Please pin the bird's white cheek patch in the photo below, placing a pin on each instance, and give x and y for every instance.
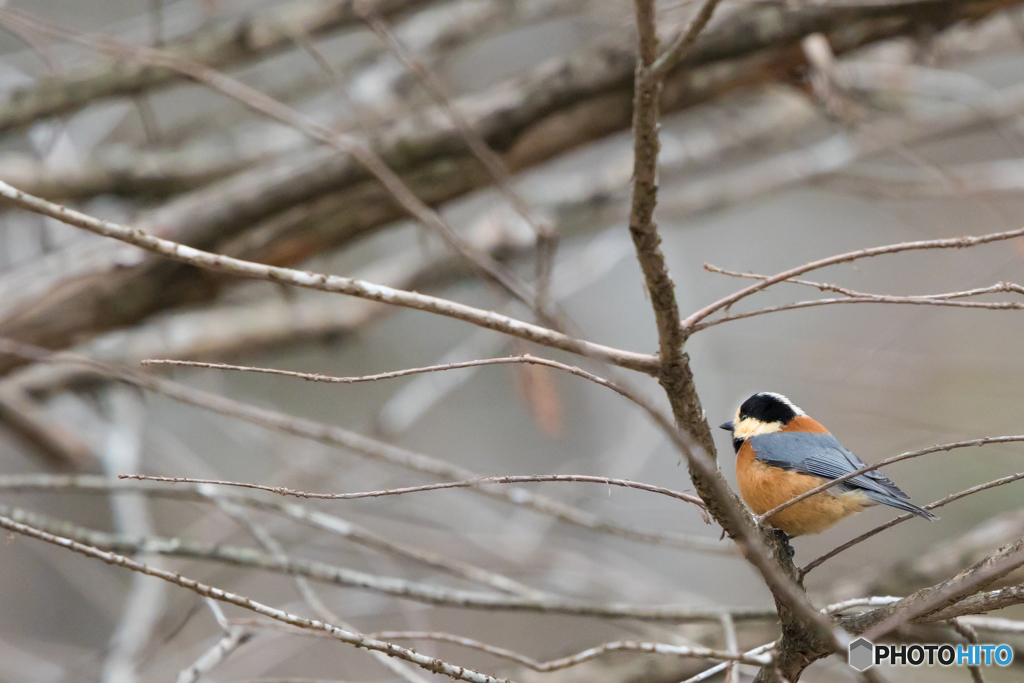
(748, 427)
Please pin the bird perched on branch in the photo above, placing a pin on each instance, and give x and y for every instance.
(781, 453)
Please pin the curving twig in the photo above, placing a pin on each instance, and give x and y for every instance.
(580, 657)
(468, 483)
(949, 243)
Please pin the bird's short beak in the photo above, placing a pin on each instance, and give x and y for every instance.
(727, 426)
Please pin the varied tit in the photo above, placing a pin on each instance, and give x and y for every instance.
(781, 453)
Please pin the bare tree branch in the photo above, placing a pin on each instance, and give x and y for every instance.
(326, 283)
(557, 107)
(579, 658)
(469, 483)
(948, 243)
(359, 640)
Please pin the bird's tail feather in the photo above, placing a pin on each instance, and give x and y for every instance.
(893, 501)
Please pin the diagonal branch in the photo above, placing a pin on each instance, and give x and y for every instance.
(676, 378)
(326, 283)
(945, 594)
(357, 639)
(267, 106)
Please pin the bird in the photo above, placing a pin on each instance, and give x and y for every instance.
(781, 452)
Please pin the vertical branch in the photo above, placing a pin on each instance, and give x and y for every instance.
(806, 633)
(675, 375)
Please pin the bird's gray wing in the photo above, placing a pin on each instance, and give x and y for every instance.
(820, 455)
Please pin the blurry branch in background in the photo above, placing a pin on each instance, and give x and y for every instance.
(547, 235)
(306, 590)
(345, 144)
(146, 599)
(234, 637)
(314, 519)
(225, 44)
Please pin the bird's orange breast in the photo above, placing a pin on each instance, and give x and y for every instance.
(764, 488)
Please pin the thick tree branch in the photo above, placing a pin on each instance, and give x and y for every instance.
(254, 36)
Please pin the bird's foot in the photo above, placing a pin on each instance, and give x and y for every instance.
(786, 545)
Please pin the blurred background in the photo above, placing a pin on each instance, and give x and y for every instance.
(771, 156)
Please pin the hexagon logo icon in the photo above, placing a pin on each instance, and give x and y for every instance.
(862, 654)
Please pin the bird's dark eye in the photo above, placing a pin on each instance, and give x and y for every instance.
(736, 443)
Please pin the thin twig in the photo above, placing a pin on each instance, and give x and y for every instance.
(949, 243)
(580, 657)
(660, 420)
(468, 483)
(682, 43)
(828, 287)
(871, 299)
(888, 461)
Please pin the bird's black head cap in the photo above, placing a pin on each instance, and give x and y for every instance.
(769, 407)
